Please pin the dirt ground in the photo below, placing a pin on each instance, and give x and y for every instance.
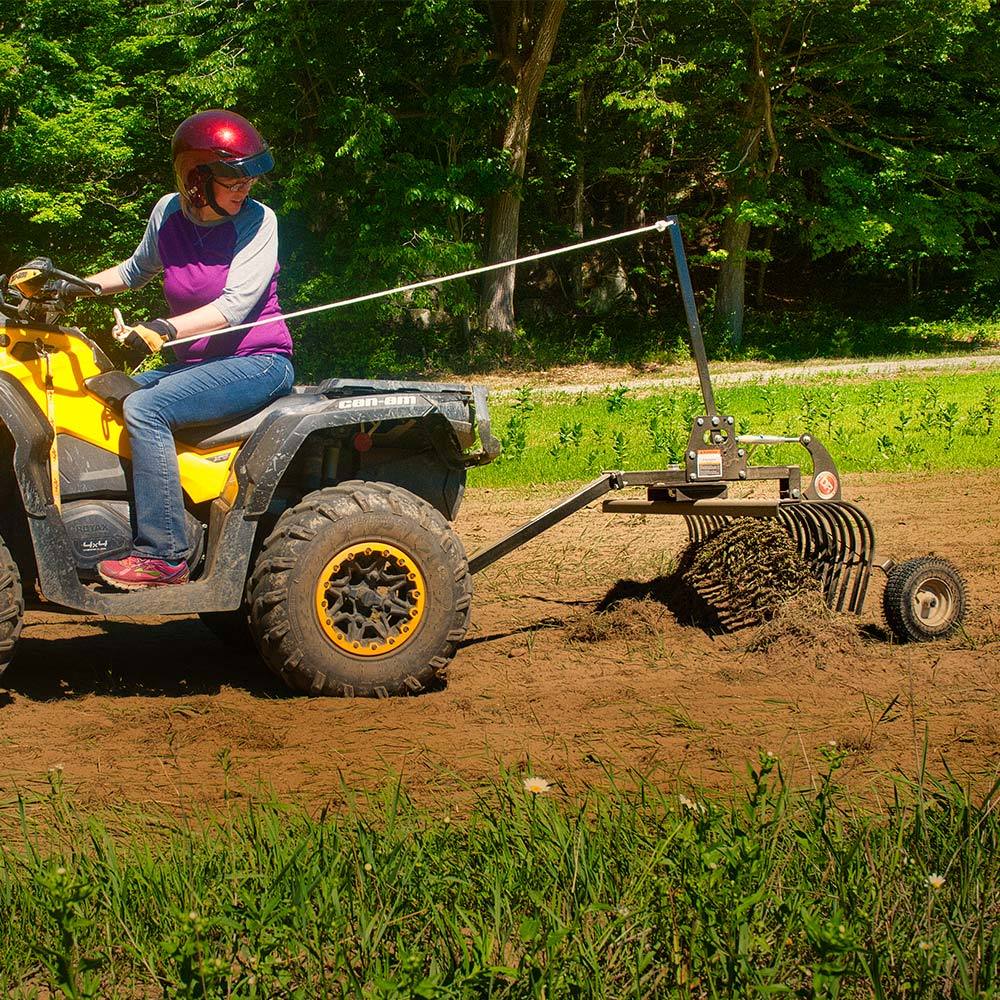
(157, 712)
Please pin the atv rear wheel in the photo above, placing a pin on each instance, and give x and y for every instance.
(361, 589)
(11, 606)
(924, 599)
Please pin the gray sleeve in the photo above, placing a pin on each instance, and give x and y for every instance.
(145, 263)
(254, 260)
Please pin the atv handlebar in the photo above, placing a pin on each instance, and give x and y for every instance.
(88, 286)
(40, 291)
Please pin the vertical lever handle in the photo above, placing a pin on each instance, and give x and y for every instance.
(691, 311)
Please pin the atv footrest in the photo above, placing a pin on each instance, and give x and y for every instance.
(112, 387)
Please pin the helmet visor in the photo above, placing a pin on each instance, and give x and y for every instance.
(244, 166)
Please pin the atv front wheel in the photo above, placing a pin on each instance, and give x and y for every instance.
(11, 606)
(361, 589)
(924, 599)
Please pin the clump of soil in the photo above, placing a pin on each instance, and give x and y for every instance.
(805, 620)
(746, 570)
(748, 574)
(627, 618)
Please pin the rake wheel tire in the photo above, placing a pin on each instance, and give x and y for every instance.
(924, 599)
(296, 559)
(11, 606)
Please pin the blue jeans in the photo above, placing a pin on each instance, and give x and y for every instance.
(186, 396)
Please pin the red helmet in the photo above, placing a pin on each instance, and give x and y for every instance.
(218, 145)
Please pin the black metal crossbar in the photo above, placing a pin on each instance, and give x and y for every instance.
(591, 492)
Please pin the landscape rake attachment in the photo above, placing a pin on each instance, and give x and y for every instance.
(924, 598)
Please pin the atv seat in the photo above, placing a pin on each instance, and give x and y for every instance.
(114, 386)
(236, 429)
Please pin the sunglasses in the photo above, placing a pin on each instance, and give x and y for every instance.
(237, 185)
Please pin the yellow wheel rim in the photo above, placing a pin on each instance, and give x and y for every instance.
(370, 599)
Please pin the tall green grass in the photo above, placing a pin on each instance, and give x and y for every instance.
(928, 423)
(620, 893)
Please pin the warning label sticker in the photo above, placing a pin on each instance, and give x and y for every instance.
(708, 463)
(826, 485)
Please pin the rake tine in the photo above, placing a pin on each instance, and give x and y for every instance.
(861, 550)
(841, 574)
(693, 522)
(860, 555)
(837, 541)
(864, 553)
(791, 522)
(826, 551)
(847, 555)
(813, 539)
(818, 542)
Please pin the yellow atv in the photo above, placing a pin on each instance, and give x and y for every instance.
(318, 527)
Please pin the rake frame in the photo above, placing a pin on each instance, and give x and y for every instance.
(834, 537)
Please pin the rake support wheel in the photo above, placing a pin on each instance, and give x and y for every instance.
(361, 589)
(924, 599)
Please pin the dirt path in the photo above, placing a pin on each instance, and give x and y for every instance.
(155, 711)
(597, 378)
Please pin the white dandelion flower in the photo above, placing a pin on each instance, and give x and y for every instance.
(537, 786)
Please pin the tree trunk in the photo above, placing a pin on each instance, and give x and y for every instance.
(497, 302)
(729, 296)
(579, 185)
(758, 118)
(516, 29)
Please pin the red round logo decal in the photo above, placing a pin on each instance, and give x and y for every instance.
(825, 485)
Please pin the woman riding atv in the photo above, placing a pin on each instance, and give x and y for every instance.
(217, 249)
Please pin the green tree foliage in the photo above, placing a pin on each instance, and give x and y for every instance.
(846, 131)
(844, 141)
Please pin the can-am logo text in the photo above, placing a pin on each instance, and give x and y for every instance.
(372, 402)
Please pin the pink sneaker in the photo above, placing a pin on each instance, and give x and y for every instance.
(136, 572)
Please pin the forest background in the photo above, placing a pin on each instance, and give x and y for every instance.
(833, 163)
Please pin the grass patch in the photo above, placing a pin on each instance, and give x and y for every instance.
(922, 423)
(636, 892)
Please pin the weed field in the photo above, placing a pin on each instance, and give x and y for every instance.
(936, 422)
(622, 892)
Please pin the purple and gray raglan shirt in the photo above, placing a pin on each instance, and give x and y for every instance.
(231, 264)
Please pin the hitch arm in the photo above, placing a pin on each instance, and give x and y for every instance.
(588, 494)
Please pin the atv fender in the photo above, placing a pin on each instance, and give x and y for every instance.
(266, 456)
(32, 440)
